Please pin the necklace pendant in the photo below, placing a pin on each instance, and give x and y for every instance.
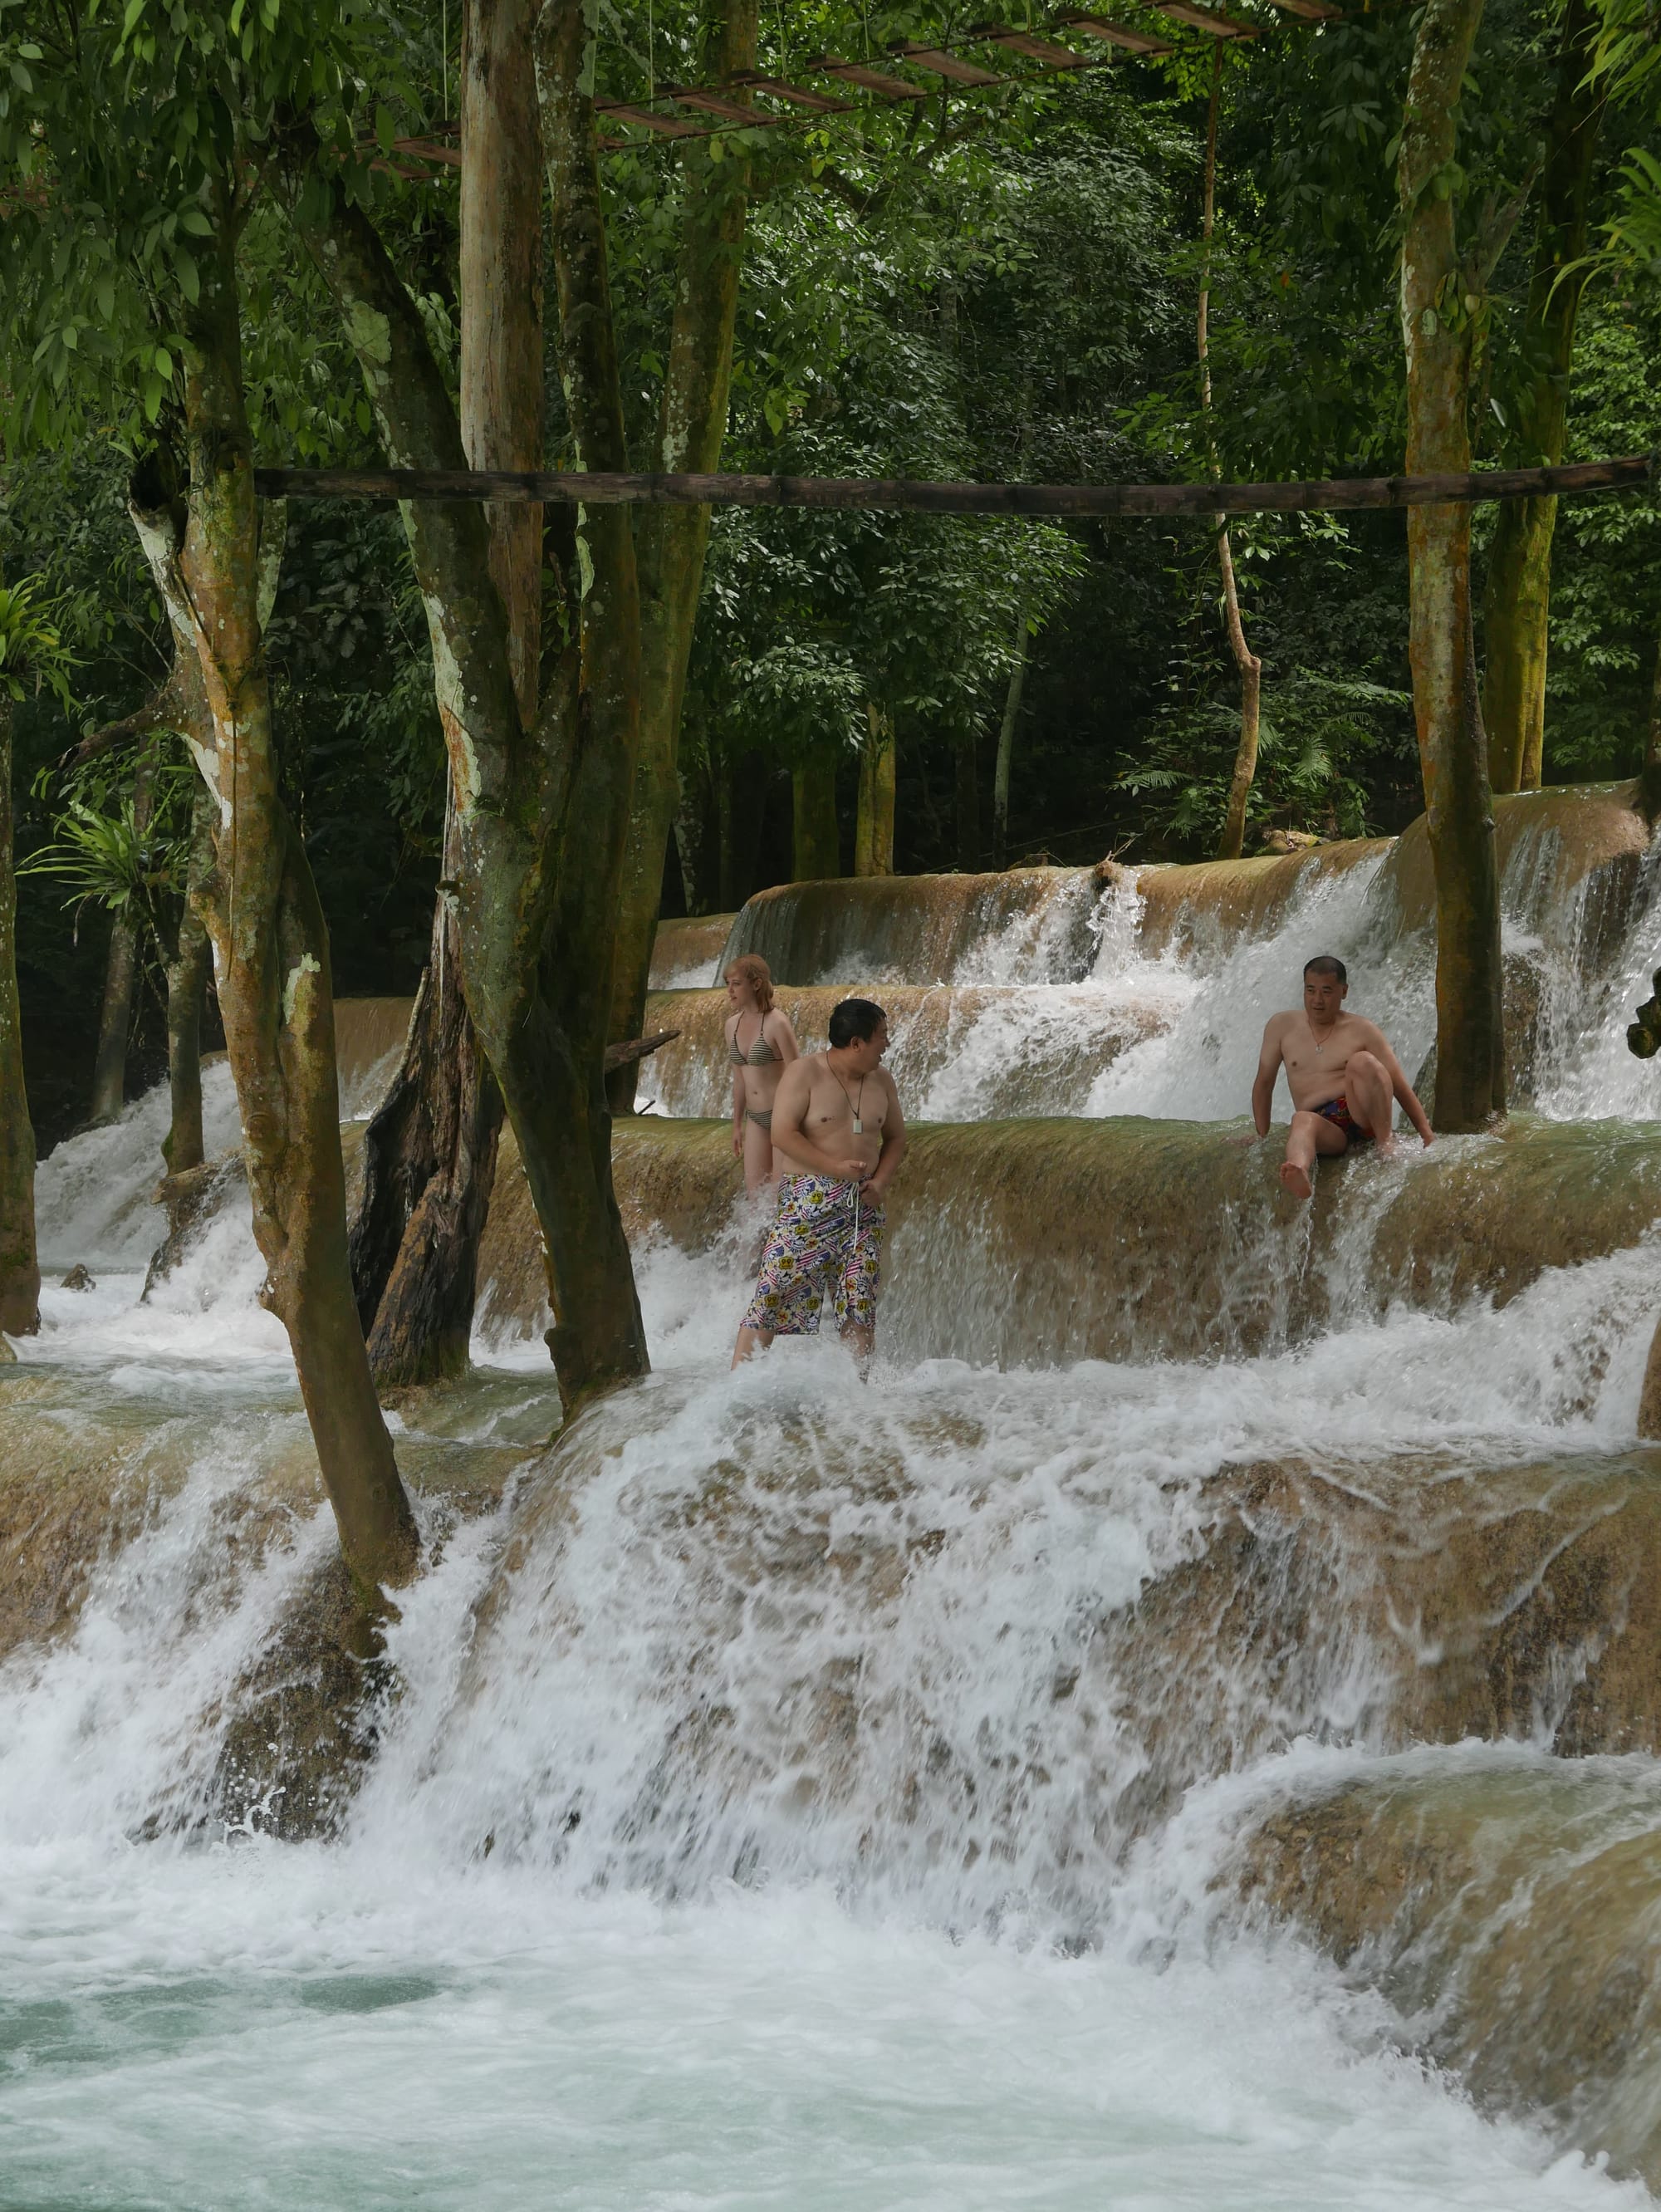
(859, 1127)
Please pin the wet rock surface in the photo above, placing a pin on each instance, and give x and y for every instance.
(1513, 1919)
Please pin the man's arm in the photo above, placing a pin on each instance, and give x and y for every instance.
(893, 1140)
(1269, 1067)
(789, 1115)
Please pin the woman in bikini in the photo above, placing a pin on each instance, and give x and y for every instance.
(761, 1043)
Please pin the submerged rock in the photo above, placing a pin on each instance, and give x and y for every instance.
(78, 1279)
(1511, 1912)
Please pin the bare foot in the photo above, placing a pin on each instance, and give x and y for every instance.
(1295, 1180)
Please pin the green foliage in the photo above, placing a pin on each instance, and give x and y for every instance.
(108, 858)
(1315, 731)
(31, 649)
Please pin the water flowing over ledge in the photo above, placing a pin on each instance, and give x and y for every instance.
(1040, 1243)
(1217, 1651)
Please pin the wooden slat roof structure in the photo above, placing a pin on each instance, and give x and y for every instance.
(1046, 46)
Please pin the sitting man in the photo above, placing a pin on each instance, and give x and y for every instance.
(1344, 1078)
(837, 1134)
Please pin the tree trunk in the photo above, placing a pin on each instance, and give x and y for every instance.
(1439, 300)
(1519, 595)
(873, 839)
(109, 1084)
(429, 1165)
(430, 1150)
(1006, 738)
(967, 808)
(1233, 841)
(19, 1269)
(541, 814)
(741, 803)
(187, 979)
(816, 845)
(696, 836)
(1649, 1402)
(501, 218)
(120, 975)
(1245, 661)
(270, 946)
(672, 541)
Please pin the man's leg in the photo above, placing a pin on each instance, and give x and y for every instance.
(1311, 1134)
(1372, 1101)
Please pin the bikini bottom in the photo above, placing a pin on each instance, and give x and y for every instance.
(762, 1119)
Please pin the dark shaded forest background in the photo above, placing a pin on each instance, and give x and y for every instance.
(1019, 304)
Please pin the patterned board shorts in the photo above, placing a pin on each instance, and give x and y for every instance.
(826, 1236)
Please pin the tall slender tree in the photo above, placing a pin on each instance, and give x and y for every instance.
(1232, 840)
(1441, 298)
(541, 811)
(140, 149)
(30, 648)
(1518, 598)
(672, 542)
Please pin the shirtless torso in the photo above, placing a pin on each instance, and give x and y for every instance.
(1316, 1064)
(815, 1114)
(1345, 1080)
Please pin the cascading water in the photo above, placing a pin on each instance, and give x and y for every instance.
(936, 1793)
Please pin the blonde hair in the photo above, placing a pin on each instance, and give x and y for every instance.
(757, 973)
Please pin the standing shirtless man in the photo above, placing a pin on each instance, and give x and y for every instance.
(1344, 1078)
(838, 1135)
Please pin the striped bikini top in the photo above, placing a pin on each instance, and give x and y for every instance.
(760, 1054)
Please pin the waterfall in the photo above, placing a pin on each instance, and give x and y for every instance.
(1184, 1731)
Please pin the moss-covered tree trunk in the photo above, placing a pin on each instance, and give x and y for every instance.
(430, 1150)
(671, 541)
(815, 845)
(19, 1268)
(1517, 601)
(873, 839)
(115, 1013)
(269, 943)
(1439, 300)
(541, 814)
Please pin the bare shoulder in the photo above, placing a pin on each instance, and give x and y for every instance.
(1276, 1026)
(1368, 1036)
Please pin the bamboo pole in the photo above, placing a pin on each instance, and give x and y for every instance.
(611, 488)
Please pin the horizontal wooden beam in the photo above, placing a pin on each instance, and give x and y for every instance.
(919, 496)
